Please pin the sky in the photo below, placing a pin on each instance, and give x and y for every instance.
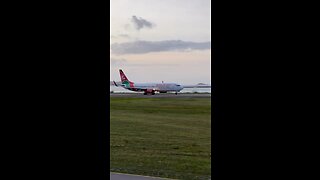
(167, 40)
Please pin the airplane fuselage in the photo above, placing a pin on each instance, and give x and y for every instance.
(160, 87)
(148, 87)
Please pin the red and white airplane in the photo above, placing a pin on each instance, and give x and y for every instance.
(148, 88)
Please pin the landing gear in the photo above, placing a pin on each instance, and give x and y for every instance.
(176, 93)
(149, 92)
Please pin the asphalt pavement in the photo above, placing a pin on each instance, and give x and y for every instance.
(120, 176)
(166, 95)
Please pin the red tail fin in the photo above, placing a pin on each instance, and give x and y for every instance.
(123, 76)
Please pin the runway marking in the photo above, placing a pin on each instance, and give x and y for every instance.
(117, 173)
(158, 95)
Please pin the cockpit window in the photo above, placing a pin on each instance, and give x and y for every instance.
(178, 85)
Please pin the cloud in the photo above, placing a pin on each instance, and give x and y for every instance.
(126, 36)
(151, 65)
(124, 62)
(141, 23)
(117, 61)
(141, 47)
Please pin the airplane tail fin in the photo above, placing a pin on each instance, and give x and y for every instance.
(123, 76)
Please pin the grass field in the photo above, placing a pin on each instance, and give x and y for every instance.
(163, 137)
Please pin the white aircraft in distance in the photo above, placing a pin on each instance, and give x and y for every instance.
(148, 88)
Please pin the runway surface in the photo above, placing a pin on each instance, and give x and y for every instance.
(119, 176)
(159, 95)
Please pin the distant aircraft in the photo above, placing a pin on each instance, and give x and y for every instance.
(148, 88)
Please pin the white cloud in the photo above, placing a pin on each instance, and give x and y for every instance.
(141, 47)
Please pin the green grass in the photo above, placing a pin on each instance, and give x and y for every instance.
(163, 137)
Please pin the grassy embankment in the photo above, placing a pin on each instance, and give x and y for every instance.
(164, 137)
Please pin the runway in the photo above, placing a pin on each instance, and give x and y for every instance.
(166, 95)
(120, 176)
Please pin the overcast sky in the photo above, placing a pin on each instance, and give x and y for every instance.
(167, 40)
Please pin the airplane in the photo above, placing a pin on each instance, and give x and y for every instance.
(148, 88)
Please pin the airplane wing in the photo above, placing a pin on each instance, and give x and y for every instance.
(117, 84)
(113, 83)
